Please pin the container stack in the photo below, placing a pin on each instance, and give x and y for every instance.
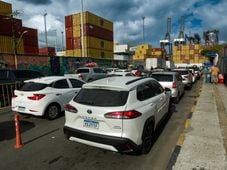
(142, 52)
(50, 51)
(13, 33)
(188, 54)
(98, 36)
(158, 52)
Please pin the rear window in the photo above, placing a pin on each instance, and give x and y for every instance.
(163, 78)
(107, 98)
(31, 86)
(182, 72)
(82, 71)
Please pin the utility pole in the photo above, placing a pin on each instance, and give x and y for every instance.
(82, 29)
(62, 40)
(44, 15)
(143, 29)
(55, 40)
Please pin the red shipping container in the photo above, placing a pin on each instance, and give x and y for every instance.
(179, 48)
(69, 43)
(31, 32)
(191, 47)
(31, 50)
(47, 51)
(69, 32)
(28, 41)
(68, 21)
(6, 30)
(98, 32)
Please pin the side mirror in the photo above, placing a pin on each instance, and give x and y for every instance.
(167, 90)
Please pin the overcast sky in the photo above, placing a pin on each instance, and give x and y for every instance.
(199, 16)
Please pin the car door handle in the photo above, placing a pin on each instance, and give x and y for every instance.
(58, 94)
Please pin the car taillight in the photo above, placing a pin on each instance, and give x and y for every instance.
(14, 96)
(80, 76)
(131, 114)
(70, 108)
(36, 96)
(174, 85)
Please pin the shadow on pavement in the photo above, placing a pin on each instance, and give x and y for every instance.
(7, 129)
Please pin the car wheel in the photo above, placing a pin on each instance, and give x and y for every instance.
(177, 99)
(52, 112)
(148, 138)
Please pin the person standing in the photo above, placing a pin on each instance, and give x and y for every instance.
(214, 74)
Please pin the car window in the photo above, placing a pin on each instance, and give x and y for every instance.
(82, 71)
(76, 83)
(158, 89)
(163, 77)
(61, 84)
(178, 77)
(145, 91)
(182, 72)
(98, 70)
(32, 86)
(110, 98)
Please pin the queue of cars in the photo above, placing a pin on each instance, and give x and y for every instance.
(117, 111)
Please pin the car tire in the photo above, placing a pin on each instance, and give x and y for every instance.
(176, 99)
(148, 138)
(52, 111)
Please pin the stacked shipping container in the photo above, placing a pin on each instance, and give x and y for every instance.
(142, 52)
(98, 36)
(50, 51)
(188, 54)
(11, 31)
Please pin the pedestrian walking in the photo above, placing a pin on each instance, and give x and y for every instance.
(214, 74)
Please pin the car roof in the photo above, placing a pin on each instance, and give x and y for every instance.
(47, 79)
(165, 72)
(118, 83)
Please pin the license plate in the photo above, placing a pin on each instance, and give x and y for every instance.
(21, 108)
(91, 124)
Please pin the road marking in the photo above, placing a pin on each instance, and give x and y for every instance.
(181, 139)
(187, 123)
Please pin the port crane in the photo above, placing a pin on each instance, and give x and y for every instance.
(166, 42)
(181, 37)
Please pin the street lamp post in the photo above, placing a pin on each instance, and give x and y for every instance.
(143, 29)
(16, 44)
(44, 15)
(62, 40)
(82, 29)
(55, 40)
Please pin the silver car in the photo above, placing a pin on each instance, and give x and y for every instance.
(173, 81)
(186, 76)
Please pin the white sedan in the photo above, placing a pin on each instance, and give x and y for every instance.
(45, 96)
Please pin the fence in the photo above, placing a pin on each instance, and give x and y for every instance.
(6, 92)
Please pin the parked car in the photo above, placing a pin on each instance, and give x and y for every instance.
(186, 76)
(12, 76)
(89, 74)
(122, 119)
(121, 74)
(45, 96)
(172, 80)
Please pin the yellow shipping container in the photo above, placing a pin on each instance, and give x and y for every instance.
(76, 31)
(98, 53)
(5, 8)
(73, 53)
(7, 44)
(89, 18)
(96, 43)
(191, 52)
(197, 46)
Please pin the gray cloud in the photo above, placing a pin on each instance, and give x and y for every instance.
(37, 2)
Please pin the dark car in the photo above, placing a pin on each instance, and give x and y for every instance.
(12, 76)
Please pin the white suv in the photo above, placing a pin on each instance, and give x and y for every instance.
(117, 113)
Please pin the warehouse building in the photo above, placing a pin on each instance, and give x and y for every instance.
(97, 36)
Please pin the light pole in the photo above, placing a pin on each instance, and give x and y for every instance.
(62, 40)
(44, 15)
(82, 29)
(55, 40)
(16, 43)
(143, 29)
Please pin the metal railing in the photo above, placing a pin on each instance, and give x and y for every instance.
(6, 93)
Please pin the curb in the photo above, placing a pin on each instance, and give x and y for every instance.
(181, 138)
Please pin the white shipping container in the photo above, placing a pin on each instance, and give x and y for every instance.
(154, 63)
(170, 64)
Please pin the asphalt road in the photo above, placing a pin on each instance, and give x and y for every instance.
(46, 148)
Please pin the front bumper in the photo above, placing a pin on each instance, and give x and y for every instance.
(122, 145)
